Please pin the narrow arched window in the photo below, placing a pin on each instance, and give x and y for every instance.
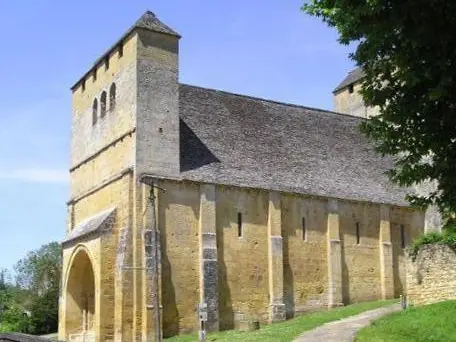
(240, 232)
(358, 233)
(103, 104)
(304, 229)
(112, 97)
(403, 242)
(94, 112)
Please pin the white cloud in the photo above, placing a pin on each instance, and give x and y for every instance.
(36, 175)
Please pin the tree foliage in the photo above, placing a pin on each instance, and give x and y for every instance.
(31, 305)
(39, 271)
(407, 50)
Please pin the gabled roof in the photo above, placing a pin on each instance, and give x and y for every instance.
(244, 141)
(90, 225)
(352, 77)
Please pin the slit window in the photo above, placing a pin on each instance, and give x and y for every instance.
(95, 74)
(402, 236)
(107, 63)
(103, 104)
(112, 97)
(358, 233)
(83, 85)
(120, 50)
(239, 222)
(94, 112)
(351, 88)
(304, 230)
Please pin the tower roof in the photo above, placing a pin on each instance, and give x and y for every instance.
(148, 21)
(352, 77)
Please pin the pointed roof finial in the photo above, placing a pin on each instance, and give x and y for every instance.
(150, 21)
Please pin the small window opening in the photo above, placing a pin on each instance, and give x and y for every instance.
(83, 85)
(112, 97)
(120, 50)
(304, 230)
(358, 236)
(350, 88)
(402, 236)
(103, 104)
(107, 63)
(94, 74)
(239, 219)
(94, 112)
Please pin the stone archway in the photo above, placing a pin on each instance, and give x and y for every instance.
(80, 299)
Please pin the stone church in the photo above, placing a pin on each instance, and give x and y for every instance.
(250, 208)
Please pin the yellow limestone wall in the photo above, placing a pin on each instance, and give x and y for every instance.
(102, 157)
(431, 277)
(305, 257)
(352, 103)
(243, 261)
(178, 224)
(243, 271)
(360, 262)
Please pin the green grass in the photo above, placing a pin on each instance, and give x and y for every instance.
(430, 323)
(288, 330)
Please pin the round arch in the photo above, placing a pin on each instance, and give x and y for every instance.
(80, 294)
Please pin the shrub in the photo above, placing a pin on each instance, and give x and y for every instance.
(446, 237)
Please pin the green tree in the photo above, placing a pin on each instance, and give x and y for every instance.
(40, 270)
(407, 50)
(38, 274)
(12, 315)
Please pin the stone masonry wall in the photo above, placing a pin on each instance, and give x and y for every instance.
(431, 277)
(305, 257)
(244, 286)
(352, 103)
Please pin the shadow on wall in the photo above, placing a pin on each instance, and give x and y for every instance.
(398, 260)
(288, 279)
(170, 312)
(193, 153)
(345, 276)
(226, 314)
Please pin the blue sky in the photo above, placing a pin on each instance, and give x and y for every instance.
(268, 49)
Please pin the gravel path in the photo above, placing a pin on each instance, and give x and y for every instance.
(345, 329)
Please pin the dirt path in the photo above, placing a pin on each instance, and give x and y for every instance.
(345, 330)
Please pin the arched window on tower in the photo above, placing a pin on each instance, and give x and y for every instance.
(103, 104)
(94, 112)
(112, 97)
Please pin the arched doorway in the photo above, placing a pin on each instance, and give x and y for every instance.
(80, 299)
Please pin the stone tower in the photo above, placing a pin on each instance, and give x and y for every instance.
(348, 100)
(125, 122)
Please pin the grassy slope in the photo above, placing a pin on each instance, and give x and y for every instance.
(430, 323)
(286, 331)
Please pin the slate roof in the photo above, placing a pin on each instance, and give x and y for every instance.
(149, 21)
(352, 77)
(90, 225)
(244, 141)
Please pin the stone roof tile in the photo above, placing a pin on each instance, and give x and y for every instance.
(90, 225)
(352, 77)
(243, 141)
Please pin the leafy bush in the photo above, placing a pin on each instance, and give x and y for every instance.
(446, 237)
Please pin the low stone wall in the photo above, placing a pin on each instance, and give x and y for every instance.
(431, 277)
(16, 337)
